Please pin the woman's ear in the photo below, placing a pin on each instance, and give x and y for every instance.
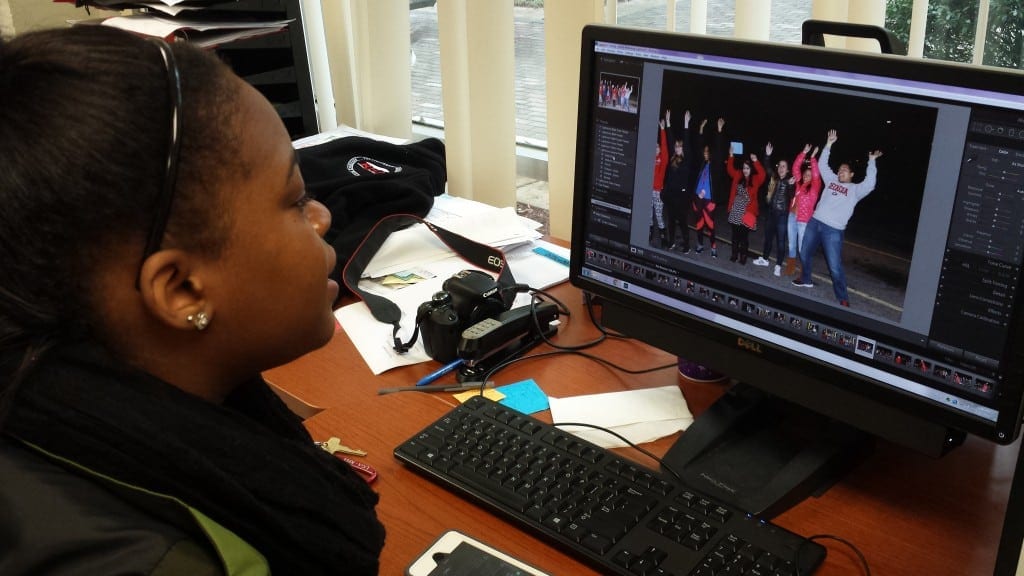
(172, 289)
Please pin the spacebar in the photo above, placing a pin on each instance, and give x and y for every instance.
(489, 488)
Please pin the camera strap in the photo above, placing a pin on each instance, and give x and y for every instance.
(481, 255)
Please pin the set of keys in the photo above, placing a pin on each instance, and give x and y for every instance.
(334, 446)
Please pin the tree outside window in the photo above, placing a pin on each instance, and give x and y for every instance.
(949, 34)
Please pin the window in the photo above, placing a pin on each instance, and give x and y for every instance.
(425, 65)
(950, 29)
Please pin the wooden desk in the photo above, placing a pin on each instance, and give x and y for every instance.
(907, 513)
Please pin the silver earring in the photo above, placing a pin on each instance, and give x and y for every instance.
(200, 320)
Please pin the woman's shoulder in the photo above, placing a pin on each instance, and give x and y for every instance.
(55, 518)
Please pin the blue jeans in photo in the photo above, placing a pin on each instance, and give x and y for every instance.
(775, 228)
(831, 241)
(795, 234)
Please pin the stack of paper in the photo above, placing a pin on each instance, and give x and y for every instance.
(203, 27)
(197, 31)
(417, 245)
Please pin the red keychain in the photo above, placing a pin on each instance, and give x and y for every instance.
(334, 446)
(367, 472)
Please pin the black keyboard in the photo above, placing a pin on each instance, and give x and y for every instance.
(610, 512)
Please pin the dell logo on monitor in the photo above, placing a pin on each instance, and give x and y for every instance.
(749, 345)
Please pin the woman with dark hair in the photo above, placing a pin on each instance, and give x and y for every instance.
(777, 197)
(658, 183)
(706, 187)
(806, 190)
(159, 253)
(676, 192)
(743, 204)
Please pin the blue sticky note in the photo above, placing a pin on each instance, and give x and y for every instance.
(524, 396)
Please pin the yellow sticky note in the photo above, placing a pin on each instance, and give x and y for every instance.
(489, 393)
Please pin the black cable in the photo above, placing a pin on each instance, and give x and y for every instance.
(502, 365)
(643, 451)
(863, 560)
(605, 334)
(562, 308)
(588, 300)
(494, 369)
(544, 337)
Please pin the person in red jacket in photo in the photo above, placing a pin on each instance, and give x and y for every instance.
(805, 198)
(660, 163)
(743, 203)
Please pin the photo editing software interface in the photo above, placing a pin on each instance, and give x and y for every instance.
(931, 256)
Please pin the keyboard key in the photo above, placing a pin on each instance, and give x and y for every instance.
(720, 513)
(575, 531)
(596, 543)
(623, 558)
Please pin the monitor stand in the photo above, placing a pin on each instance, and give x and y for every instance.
(762, 454)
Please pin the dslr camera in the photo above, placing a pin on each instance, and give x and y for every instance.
(466, 298)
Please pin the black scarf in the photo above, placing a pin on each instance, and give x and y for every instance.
(248, 464)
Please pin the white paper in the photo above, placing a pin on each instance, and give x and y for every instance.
(343, 131)
(412, 246)
(405, 249)
(165, 28)
(639, 415)
(448, 208)
(537, 271)
(374, 341)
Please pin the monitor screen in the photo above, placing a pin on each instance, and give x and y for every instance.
(873, 278)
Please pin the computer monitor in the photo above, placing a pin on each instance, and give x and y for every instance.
(924, 343)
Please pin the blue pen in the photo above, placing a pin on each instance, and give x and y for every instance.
(551, 255)
(440, 372)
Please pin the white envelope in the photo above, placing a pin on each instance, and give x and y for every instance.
(639, 415)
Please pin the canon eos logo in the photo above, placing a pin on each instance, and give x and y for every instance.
(494, 261)
(749, 345)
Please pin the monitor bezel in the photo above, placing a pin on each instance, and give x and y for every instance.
(1011, 400)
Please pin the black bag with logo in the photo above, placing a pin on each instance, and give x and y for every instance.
(362, 180)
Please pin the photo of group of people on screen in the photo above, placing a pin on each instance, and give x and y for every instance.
(797, 217)
(798, 188)
(618, 92)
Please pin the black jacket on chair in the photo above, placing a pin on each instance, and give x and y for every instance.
(361, 180)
